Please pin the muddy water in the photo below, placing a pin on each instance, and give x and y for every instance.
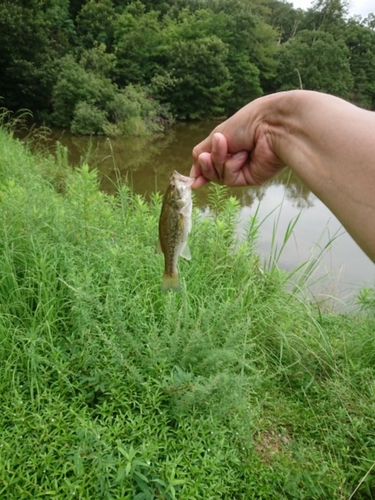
(147, 163)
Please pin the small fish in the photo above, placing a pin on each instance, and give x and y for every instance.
(174, 227)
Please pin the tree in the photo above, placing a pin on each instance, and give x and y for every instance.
(136, 43)
(285, 19)
(318, 62)
(76, 85)
(201, 77)
(95, 23)
(252, 48)
(32, 37)
(360, 41)
(327, 15)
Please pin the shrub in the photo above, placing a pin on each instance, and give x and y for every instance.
(88, 103)
(232, 389)
(137, 113)
(88, 119)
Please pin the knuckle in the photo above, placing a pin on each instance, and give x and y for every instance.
(196, 152)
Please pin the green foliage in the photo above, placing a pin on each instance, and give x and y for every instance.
(202, 83)
(361, 43)
(86, 101)
(284, 19)
(245, 84)
(264, 50)
(98, 61)
(87, 119)
(211, 56)
(137, 113)
(27, 58)
(233, 388)
(65, 60)
(318, 62)
(326, 15)
(366, 299)
(95, 23)
(74, 85)
(136, 42)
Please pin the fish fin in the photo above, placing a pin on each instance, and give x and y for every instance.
(185, 253)
(170, 282)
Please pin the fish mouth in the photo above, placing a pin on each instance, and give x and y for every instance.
(189, 181)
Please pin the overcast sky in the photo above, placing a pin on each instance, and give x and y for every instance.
(356, 7)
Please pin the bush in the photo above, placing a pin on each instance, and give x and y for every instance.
(232, 389)
(137, 113)
(88, 103)
(75, 85)
(88, 119)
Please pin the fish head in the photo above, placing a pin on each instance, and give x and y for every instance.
(180, 187)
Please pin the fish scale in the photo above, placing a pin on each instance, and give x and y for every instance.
(174, 227)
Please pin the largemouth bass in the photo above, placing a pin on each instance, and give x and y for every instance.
(174, 227)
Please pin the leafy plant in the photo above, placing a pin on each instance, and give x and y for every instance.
(366, 299)
(88, 119)
(234, 388)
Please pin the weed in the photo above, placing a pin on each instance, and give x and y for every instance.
(234, 388)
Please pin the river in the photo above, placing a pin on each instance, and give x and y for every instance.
(147, 163)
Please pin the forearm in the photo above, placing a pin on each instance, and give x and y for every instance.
(330, 145)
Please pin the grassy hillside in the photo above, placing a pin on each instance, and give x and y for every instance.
(232, 389)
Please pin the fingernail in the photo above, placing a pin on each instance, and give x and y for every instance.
(214, 143)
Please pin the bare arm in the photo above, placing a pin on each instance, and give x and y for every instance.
(327, 142)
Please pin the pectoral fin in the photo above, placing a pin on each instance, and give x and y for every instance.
(185, 252)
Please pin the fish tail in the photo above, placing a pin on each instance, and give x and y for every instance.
(170, 282)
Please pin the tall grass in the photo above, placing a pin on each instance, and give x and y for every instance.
(307, 275)
(232, 389)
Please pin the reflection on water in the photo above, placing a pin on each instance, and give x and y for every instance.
(147, 163)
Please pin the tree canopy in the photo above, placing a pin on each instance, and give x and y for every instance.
(93, 65)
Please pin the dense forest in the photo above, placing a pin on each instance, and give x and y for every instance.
(135, 66)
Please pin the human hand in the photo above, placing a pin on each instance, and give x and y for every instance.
(239, 152)
(327, 142)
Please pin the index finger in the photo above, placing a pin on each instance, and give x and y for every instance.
(203, 147)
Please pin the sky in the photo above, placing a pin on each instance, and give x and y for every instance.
(356, 7)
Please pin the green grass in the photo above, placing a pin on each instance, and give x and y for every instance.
(232, 389)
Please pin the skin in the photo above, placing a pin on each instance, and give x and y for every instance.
(328, 142)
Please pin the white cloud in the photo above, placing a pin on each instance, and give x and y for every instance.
(356, 7)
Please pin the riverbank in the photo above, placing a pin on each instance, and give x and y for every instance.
(233, 389)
